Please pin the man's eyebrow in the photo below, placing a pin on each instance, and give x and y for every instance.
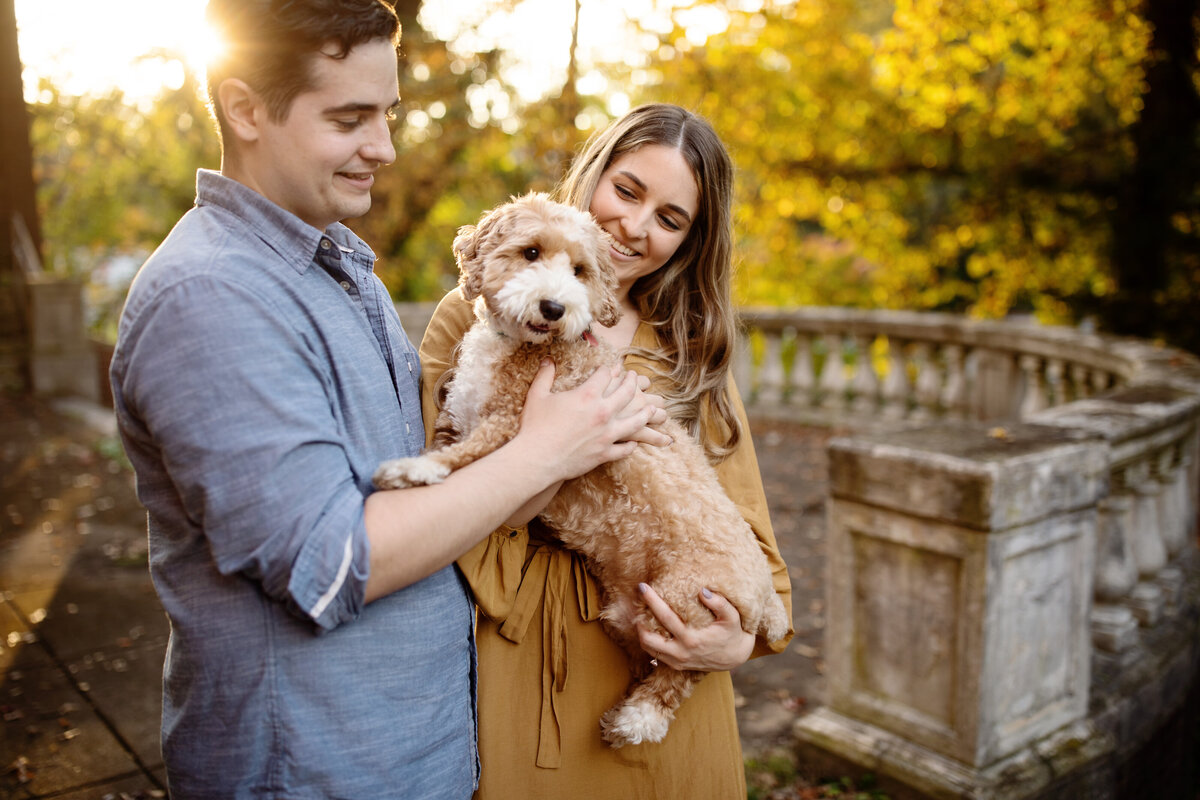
(356, 108)
(677, 209)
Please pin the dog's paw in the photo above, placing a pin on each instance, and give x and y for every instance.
(403, 472)
(775, 622)
(634, 722)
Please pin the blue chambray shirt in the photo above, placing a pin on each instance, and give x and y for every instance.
(261, 375)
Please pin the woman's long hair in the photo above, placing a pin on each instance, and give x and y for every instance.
(688, 300)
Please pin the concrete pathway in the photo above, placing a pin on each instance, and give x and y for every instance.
(82, 635)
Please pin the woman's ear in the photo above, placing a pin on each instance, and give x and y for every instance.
(240, 105)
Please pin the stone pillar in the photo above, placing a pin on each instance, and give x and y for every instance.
(62, 360)
(959, 594)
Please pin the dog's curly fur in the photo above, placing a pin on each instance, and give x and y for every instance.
(540, 275)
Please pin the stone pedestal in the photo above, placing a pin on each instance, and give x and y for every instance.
(62, 360)
(959, 601)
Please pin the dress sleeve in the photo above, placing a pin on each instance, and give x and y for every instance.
(492, 567)
(742, 481)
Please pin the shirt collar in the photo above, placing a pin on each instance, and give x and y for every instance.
(292, 238)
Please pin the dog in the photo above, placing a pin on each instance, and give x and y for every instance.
(540, 276)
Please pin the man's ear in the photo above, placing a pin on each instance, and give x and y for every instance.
(243, 109)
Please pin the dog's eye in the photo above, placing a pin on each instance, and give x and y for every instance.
(578, 270)
(531, 253)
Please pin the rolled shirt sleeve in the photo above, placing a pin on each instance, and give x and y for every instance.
(246, 434)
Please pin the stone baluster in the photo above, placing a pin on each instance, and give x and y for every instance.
(1080, 387)
(996, 392)
(1033, 399)
(803, 374)
(1114, 626)
(896, 386)
(1191, 453)
(1185, 481)
(1146, 600)
(1055, 385)
(928, 388)
(1116, 568)
(1170, 578)
(743, 364)
(1100, 381)
(954, 391)
(832, 386)
(770, 376)
(865, 385)
(1148, 547)
(1170, 510)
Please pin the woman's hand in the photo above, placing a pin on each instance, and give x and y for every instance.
(658, 414)
(720, 645)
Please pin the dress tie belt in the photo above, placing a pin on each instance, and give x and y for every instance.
(546, 577)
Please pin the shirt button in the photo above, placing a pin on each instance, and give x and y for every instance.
(345, 285)
(326, 244)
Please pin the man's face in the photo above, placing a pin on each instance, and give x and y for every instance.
(319, 163)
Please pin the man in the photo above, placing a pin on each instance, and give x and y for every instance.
(320, 636)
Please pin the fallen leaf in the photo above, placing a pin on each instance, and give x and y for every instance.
(805, 650)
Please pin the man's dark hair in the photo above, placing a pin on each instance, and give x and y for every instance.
(272, 44)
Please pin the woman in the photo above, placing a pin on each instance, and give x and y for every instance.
(660, 182)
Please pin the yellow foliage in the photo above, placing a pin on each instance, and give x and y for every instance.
(945, 156)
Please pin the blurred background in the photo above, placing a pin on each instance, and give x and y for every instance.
(986, 157)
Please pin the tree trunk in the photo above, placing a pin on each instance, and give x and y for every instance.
(1160, 184)
(16, 165)
(17, 200)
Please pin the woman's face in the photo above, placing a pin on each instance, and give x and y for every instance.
(647, 200)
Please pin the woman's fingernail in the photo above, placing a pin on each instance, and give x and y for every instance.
(643, 587)
(707, 594)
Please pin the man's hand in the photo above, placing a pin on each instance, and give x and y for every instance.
(598, 421)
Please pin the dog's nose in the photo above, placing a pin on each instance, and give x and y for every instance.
(551, 310)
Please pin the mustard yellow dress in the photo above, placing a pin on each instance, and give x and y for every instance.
(547, 670)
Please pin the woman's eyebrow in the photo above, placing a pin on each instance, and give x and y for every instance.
(677, 209)
(633, 178)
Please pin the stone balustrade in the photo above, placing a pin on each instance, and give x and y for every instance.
(1014, 513)
(867, 368)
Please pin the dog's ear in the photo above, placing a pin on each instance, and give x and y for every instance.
(472, 245)
(607, 312)
(470, 267)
